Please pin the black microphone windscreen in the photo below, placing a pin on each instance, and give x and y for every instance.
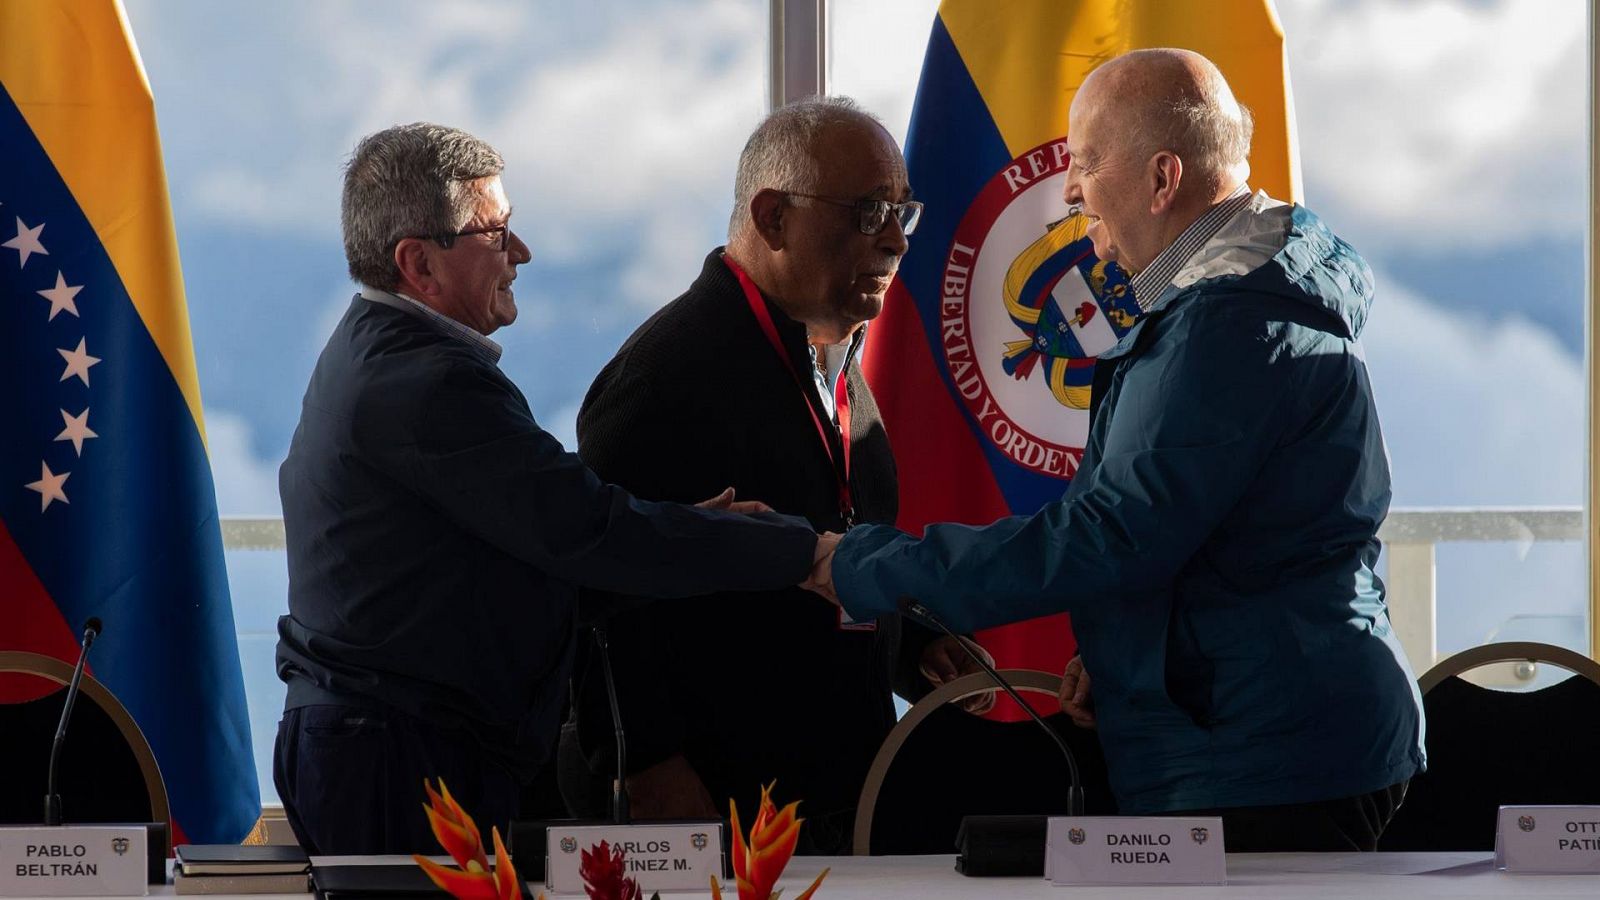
(92, 625)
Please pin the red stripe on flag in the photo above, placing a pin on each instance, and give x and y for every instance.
(943, 474)
(31, 622)
(945, 477)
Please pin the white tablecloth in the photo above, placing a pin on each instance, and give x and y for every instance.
(1357, 876)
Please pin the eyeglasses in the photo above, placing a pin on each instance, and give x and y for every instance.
(501, 234)
(874, 214)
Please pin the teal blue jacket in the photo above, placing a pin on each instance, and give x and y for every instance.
(1216, 547)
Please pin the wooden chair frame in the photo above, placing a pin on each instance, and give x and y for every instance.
(55, 670)
(950, 692)
(1509, 651)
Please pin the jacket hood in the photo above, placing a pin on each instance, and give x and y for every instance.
(1317, 267)
(1283, 249)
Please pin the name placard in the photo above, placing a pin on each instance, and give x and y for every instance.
(1134, 850)
(1548, 840)
(675, 856)
(72, 861)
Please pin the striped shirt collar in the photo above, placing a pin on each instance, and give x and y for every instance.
(1150, 282)
(479, 343)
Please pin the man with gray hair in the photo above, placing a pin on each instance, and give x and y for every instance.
(1216, 548)
(750, 378)
(436, 534)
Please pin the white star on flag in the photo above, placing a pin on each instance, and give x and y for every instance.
(61, 296)
(26, 242)
(78, 362)
(77, 430)
(49, 487)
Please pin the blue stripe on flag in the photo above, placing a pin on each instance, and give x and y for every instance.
(952, 150)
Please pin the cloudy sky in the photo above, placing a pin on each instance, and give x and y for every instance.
(1444, 139)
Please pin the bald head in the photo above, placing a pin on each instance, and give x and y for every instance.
(1173, 100)
(1156, 138)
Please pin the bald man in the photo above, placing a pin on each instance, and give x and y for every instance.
(1216, 548)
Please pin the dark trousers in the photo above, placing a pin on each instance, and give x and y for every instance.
(351, 780)
(1349, 823)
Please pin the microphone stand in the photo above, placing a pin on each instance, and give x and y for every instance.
(1075, 792)
(619, 785)
(52, 800)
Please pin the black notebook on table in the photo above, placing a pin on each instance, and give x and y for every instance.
(241, 859)
(403, 881)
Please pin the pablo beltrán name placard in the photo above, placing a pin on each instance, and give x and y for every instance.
(73, 861)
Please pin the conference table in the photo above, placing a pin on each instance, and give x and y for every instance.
(1360, 876)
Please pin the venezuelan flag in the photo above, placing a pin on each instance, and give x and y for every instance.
(986, 345)
(106, 501)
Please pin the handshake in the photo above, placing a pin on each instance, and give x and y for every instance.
(820, 580)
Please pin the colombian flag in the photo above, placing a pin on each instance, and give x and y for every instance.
(106, 502)
(982, 358)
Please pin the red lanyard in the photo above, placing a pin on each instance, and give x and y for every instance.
(758, 308)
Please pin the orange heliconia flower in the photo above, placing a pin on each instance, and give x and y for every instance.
(459, 836)
(759, 861)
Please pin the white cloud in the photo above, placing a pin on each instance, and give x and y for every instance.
(621, 122)
(1477, 412)
(1444, 122)
(876, 53)
(247, 485)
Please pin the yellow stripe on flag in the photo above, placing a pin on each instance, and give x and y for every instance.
(1028, 57)
(72, 69)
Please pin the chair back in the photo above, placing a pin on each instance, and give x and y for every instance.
(107, 771)
(940, 764)
(1487, 748)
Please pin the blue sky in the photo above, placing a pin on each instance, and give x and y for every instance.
(1445, 140)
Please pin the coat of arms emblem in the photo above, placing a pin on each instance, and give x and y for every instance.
(1076, 835)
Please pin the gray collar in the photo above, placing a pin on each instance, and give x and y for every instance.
(1154, 278)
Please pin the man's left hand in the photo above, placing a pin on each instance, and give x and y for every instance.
(724, 501)
(946, 659)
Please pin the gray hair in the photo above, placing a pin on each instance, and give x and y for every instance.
(781, 152)
(1205, 133)
(407, 181)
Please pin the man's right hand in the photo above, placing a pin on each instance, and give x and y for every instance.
(670, 789)
(1075, 699)
(820, 581)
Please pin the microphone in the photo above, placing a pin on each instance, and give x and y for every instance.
(52, 800)
(619, 785)
(915, 610)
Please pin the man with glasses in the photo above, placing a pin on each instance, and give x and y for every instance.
(436, 534)
(751, 378)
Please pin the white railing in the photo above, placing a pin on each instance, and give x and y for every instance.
(1410, 535)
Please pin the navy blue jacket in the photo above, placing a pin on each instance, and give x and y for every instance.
(1216, 547)
(437, 535)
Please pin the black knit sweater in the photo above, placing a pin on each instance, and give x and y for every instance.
(748, 686)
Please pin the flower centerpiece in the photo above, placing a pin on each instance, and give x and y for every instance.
(759, 859)
(459, 836)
